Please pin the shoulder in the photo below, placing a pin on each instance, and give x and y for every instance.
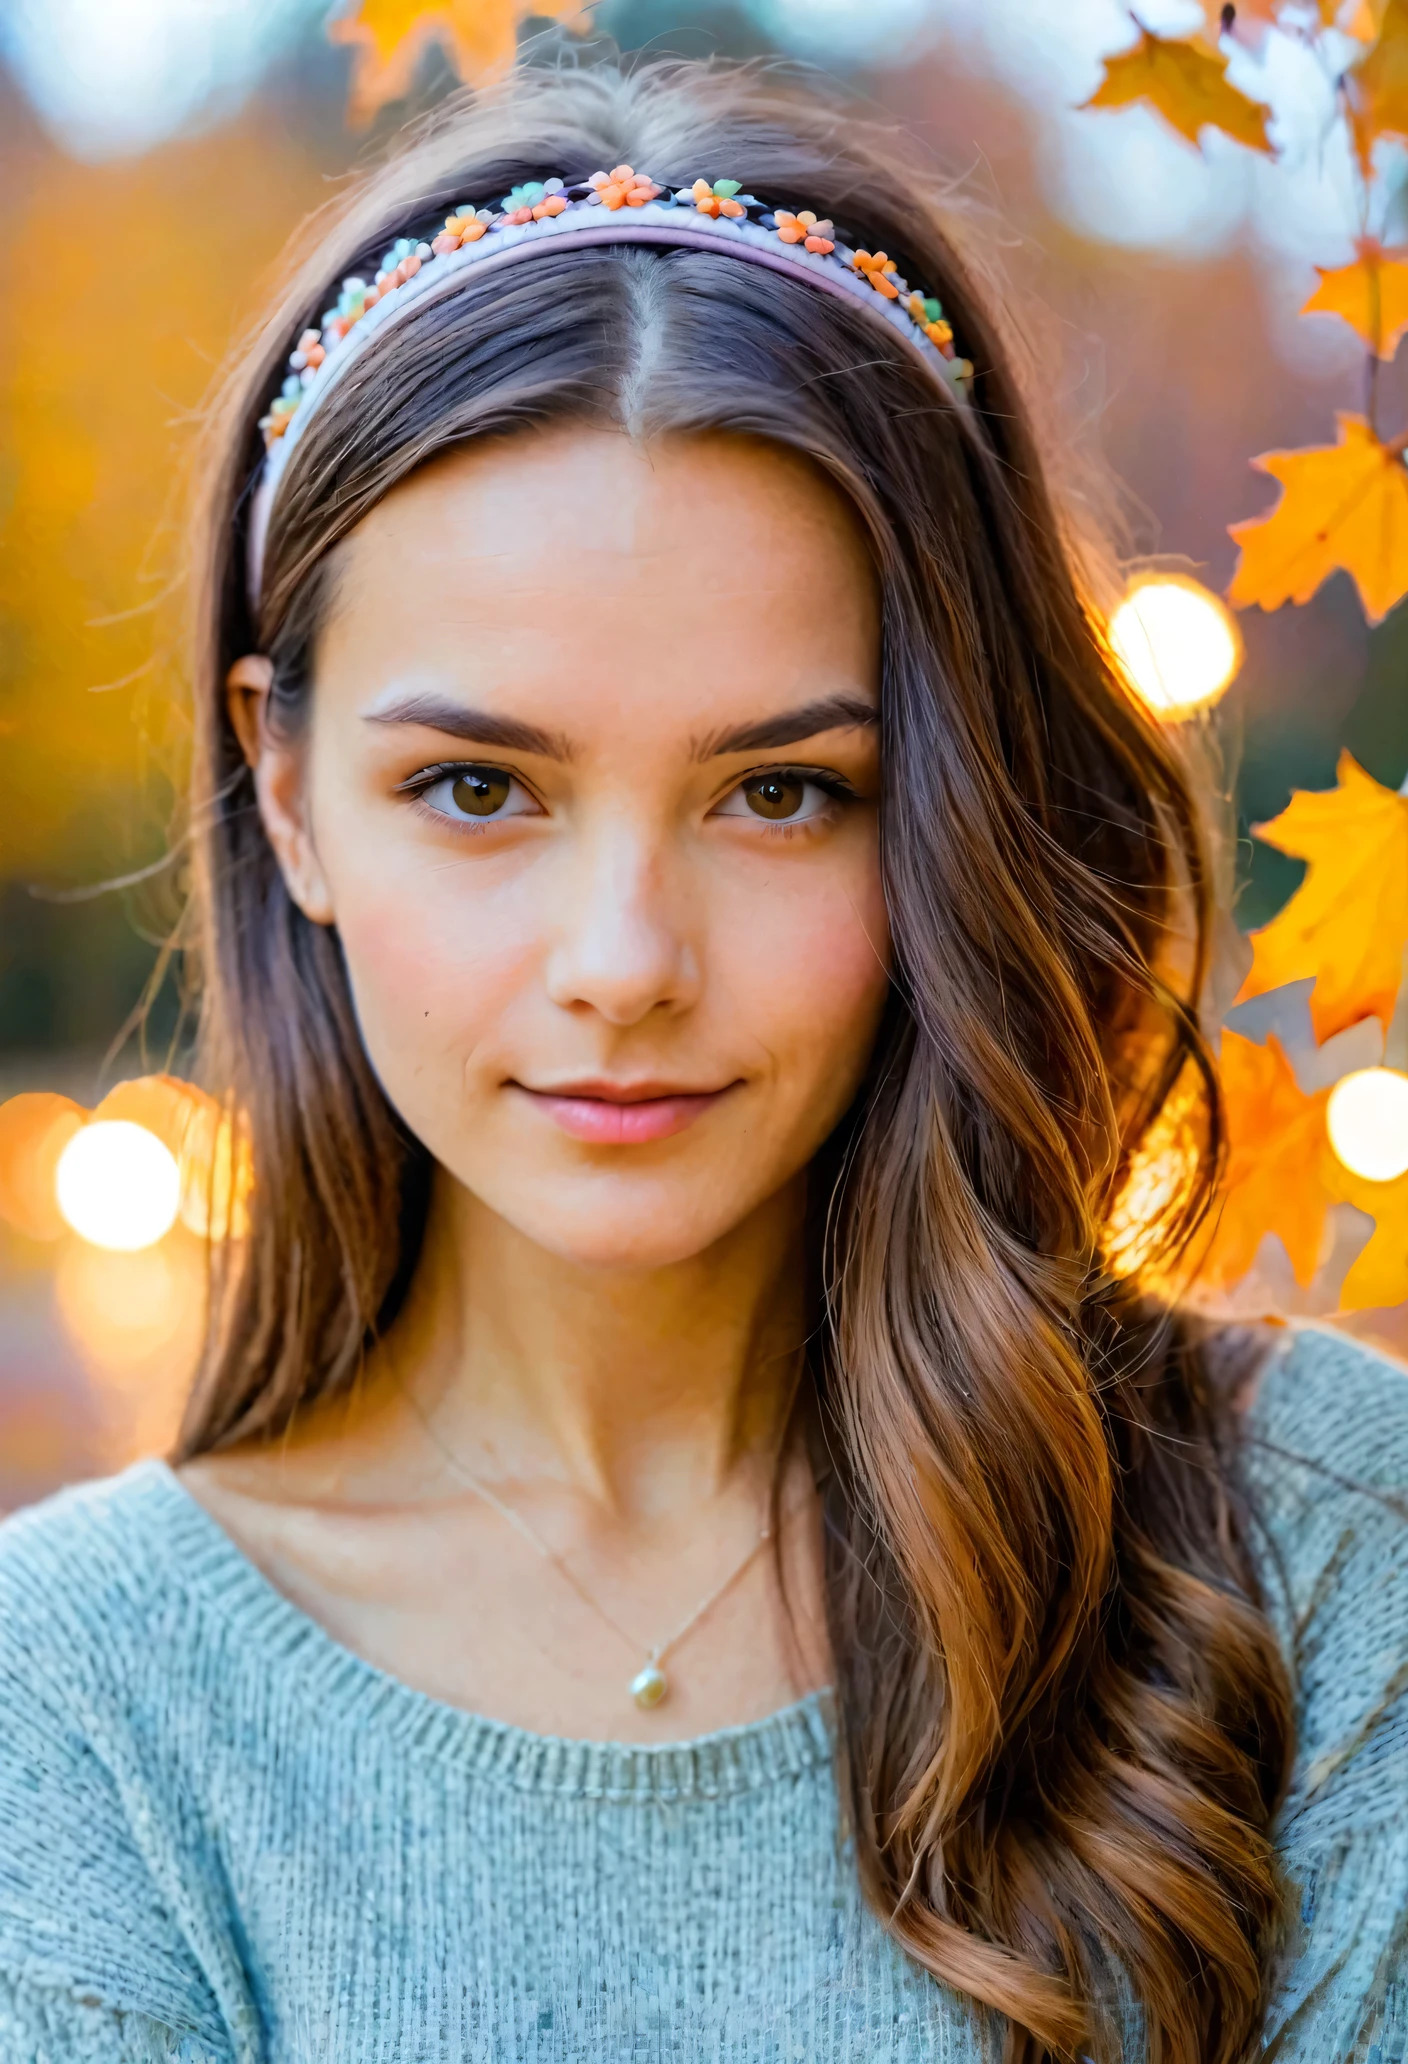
(1326, 1398)
(1326, 1453)
(84, 1562)
(94, 1901)
(92, 1595)
(1326, 1450)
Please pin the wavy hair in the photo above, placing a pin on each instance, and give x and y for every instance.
(1064, 1723)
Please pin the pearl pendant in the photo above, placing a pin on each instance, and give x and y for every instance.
(649, 1686)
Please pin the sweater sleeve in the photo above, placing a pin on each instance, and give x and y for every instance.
(96, 1959)
(1332, 1428)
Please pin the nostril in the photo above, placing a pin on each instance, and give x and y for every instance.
(623, 977)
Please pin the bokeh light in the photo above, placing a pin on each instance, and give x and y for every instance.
(1177, 642)
(1158, 1187)
(34, 1130)
(118, 1186)
(137, 1321)
(1368, 1120)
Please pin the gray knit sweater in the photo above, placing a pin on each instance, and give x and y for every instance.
(224, 1837)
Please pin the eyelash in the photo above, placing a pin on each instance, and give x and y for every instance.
(826, 779)
(426, 778)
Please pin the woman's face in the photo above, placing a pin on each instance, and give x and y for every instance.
(589, 791)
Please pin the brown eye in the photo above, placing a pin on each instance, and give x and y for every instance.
(480, 791)
(775, 795)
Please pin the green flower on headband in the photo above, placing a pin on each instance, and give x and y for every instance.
(929, 315)
(281, 412)
(533, 200)
(716, 200)
(352, 301)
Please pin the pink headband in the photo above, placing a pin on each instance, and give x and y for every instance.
(622, 206)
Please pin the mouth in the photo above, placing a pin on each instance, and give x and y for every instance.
(617, 1114)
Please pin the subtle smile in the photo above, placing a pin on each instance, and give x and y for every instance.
(620, 1115)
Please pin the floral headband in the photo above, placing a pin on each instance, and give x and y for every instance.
(622, 206)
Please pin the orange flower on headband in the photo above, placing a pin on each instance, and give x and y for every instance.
(308, 351)
(715, 200)
(804, 229)
(465, 226)
(623, 188)
(877, 268)
(931, 319)
(534, 200)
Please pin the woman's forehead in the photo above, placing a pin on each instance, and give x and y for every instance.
(577, 492)
(696, 584)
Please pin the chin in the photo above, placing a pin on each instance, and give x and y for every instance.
(617, 1231)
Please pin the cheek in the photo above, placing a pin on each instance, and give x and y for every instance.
(805, 965)
(433, 970)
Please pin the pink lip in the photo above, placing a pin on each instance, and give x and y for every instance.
(607, 1118)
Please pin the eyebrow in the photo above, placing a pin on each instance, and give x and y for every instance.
(473, 726)
(481, 727)
(790, 727)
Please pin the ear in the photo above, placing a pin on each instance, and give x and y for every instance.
(247, 688)
(279, 784)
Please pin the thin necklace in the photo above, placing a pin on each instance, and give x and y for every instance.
(650, 1685)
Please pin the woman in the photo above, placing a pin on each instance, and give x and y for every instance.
(685, 1543)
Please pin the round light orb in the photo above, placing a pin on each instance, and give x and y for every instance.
(118, 1186)
(1179, 645)
(1368, 1120)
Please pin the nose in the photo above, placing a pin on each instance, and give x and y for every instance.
(622, 949)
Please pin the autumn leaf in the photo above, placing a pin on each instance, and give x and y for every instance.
(1347, 923)
(1371, 295)
(1187, 83)
(1376, 88)
(1345, 506)
(1378, 1274)
(1279, 1163)
(390, 37)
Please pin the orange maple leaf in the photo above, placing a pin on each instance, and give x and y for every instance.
(1187, 83)
(1345, 506)
(1378, 1274)
(1347, 923)
(390, 37)
(1371, 295)
(1376, 88)
(1279, 1163)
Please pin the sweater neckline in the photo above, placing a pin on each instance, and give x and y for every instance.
(341, 1686)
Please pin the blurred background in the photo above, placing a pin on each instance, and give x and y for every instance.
(155, 156)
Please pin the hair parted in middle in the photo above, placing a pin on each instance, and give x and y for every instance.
(1064, 1722)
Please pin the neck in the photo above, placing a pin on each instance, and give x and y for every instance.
(649, 1390)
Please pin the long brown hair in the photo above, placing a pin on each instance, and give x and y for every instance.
(1064, 1722)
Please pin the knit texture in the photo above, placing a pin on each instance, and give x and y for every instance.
(224, 1839)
